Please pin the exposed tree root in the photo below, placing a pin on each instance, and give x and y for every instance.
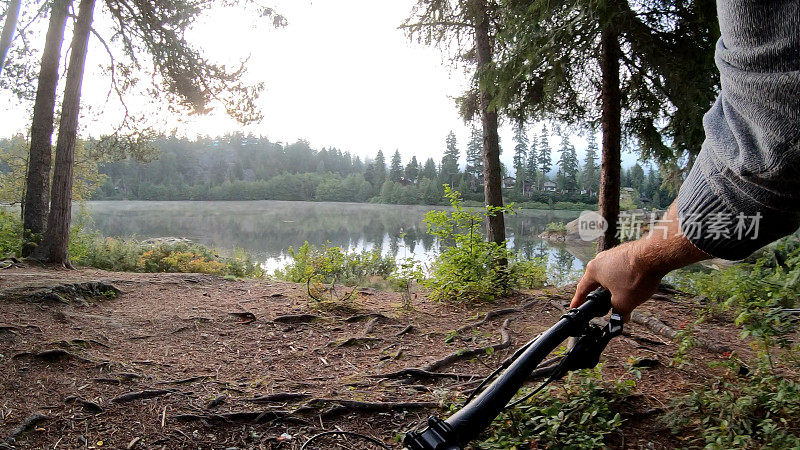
(487, 317)
(356, 341)
(186, 380)
(658, 327)
(279, 397)
(52, 355)
(406, 330)
(245, 317)
(472, 352)
(251, 417)
(218, 400)
(422, 374)
(26, 425)
(87, 405)
(360, 317)
(340, 406)
(141, 395)
(296, 318)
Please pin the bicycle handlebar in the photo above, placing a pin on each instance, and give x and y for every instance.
(467, 423)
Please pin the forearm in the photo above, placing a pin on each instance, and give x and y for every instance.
(665, 248)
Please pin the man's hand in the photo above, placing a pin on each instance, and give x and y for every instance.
(633, 271)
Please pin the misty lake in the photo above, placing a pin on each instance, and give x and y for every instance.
(266, 229)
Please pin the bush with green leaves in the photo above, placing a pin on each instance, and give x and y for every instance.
(323, 268)
(556, 227)
(10, 234)
(579, 415)
(759, 410)
(407, 272)
(761, 298)
(467, 268)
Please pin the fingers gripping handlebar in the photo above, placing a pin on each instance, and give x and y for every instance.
(467, 423)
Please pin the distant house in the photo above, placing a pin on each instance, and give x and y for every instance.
(549, 186)
(405, 181)
(509, 182)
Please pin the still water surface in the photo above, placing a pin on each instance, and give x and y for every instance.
(267, 229)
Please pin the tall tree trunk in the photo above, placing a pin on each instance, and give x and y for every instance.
(610, 97)
(54, 247)
(37, 191)
(492, 179)
(12, 15)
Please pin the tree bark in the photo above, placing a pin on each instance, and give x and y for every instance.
(55, 245)
(37, 189)
(12, 15)
(492, 180)
(610, 116)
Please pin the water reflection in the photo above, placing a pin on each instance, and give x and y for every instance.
(268, 228)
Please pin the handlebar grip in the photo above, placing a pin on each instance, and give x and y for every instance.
(598, 303)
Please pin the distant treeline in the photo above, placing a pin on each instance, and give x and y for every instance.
(239, 167)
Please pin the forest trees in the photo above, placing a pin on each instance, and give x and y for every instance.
(148, 35)
(9, 27)
(468, 28)
(555, 55)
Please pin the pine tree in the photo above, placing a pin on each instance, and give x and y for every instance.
(590, 176)
(545, 154)
(396, 170)
(475, 153)
(568, 168)
(556, 56)
(637, 177)
(520, 155)
(380, 170)
(449, 169)
(532, 165)
(412, 170)
(429, 170)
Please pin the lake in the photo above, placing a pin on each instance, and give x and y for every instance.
(266, 229)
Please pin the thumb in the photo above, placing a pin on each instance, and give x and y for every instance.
(584, 288)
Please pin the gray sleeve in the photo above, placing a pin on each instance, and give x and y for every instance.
(743, 191)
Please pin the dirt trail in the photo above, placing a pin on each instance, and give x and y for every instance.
(195, 361)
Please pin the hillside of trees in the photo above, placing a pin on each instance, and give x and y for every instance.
(239, 167)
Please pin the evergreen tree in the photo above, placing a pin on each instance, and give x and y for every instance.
(475, 153)
(396, 170)
(545, 154)
(590, 176)
(520, 155)
(449, 169)
(412, 170)
(532, 165)
(429, 170)
(380, 170)
(568, 167)
(637, 177)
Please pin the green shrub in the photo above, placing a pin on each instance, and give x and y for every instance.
(759, 297)
(10, 234)
(556, 227)
(761, 410)
(322, 268)
(528, 274)
(467, 269)
(578, 416)
(406, 273)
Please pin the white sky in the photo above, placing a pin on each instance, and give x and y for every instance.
(340, 74)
